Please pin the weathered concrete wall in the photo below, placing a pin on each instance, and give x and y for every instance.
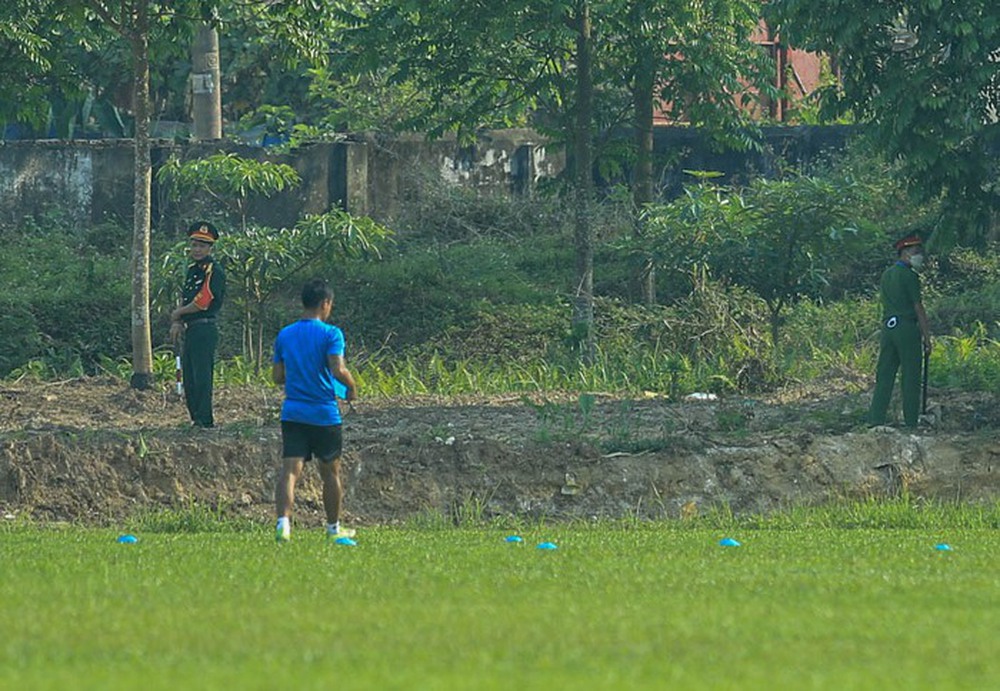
(691, 149)
(91, 181)
(81, 179)
(509, 162)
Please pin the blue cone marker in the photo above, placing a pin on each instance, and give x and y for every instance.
(729, 542)
(547, 545)
(942, 547)
(514, 538)
(345, 541)
(128, 539)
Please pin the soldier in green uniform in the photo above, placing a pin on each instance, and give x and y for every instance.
(905, 334)
(195, 322)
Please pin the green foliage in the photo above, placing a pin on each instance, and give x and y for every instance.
(970, 362)
(263, 260)
(563, 421)
(34, 74)
(240, 371)
(434, 293)
(164, 366)
(780, 239)
(66, 297)
(231, 181)
(483, 310)
(277, 121)
(924, 75)
(20, 339)
(61, 55)
(966, 291)
(260, 260)
(369, 101)
(463, 66)
(830, 339)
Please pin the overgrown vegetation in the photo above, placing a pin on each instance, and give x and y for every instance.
(481, 303)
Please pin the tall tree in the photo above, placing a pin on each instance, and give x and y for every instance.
(924, 75)
(33, 65)
(482, 63)
(141, 25)
(695, 62)
(570, 67)
(25, 48)
(130, 19)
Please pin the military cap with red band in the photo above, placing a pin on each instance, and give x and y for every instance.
(908, 241)
(203, 231)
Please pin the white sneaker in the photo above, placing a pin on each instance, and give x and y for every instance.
(283, 533)
(343, 532)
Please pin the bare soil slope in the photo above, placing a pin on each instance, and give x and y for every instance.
(95, 450)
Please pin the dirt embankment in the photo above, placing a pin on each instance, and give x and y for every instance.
(95, 450)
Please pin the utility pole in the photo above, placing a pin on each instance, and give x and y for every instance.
(206, 92)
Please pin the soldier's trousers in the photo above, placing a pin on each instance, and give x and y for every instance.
(198, 369)
(901, 348)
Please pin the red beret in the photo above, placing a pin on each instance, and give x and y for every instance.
(908, 241)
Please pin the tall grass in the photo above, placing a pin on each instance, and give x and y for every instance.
(483, 314)
(970, 361)
(192, 517)
(967, 362)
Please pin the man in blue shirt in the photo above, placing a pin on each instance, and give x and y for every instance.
(309, 362)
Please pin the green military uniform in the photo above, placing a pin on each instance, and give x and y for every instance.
(901, 344)
(205, 286)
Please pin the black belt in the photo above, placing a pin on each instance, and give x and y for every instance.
(199, 319)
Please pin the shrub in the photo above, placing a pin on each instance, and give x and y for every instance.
(20, 340)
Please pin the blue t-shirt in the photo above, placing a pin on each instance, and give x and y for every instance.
(310, 387)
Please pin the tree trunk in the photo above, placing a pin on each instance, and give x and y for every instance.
(142, 348)
(775, 309)
(642, 192)
(206, 94)
(583, 306)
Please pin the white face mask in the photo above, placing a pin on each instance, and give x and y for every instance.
(916, 261)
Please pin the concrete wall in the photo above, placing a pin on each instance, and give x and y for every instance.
(91, 181)
(689, 149)
(508, 162)
(81, 179)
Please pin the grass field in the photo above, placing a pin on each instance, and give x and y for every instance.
(617, 605)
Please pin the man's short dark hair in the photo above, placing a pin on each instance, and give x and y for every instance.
(314, 292)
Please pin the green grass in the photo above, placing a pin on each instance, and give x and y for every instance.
(617, 605)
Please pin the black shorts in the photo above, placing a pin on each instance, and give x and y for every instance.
(299, 440)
